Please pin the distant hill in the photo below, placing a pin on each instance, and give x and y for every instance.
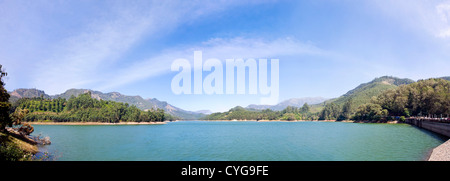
(364, 92)
(138, 101)
(26, 93)
(206, 112)
(295, 102)
(29, 93)
(445, 78)
(359, 95)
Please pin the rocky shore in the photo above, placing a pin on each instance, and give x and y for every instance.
(34, 140)
(441, 153)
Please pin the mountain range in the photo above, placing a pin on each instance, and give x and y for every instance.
(138, 101)
(295, 102)
(359, 95)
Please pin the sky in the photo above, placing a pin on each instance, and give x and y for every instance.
(324, 47)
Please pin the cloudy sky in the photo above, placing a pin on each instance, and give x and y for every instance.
(325, 48)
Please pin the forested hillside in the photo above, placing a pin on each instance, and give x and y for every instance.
(85, 109)
(138, 101)
(345, 106)
(364, 92)
(384, 98)
(423, 98)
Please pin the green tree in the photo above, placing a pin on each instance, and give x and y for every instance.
(160, 115)
(424, 97)
(331, 111)
(289, 117)
(5, 106)
(18, 116)
(305, 108)
(370, 112)
(346, 110)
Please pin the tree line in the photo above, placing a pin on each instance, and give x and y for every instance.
(429, 98)
(289, 113)
(333, 111)
(84, 108)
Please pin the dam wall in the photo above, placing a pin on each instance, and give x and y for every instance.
(440, 126)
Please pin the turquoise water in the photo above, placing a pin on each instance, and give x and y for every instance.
(239, 141)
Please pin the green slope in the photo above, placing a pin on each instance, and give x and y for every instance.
(138, 101)
(364, 92)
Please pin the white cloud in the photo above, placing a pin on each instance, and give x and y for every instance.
(78, 59)
(83, 59)
(219, 48)
(255, 48)
(431, 17)
(84, 54)
(443, 11)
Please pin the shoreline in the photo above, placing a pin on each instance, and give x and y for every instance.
(94, 123)
(224, 120)
(252, 120)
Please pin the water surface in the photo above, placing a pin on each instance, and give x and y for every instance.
(239, 141)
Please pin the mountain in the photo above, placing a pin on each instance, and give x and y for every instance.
(359, 95)
(364, 92)
(295, 102)
(298, 102)
(138, 101)
(26, 93)
(206, 112)
(259, 107)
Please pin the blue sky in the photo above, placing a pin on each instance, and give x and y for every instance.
(325, 48)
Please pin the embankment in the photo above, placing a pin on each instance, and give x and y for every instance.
(442, 128)
(441, 153)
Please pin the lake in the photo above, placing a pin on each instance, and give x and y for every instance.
(239, 141)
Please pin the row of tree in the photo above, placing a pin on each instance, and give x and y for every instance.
(332, 111)
(298, 113)
(40, 104)
(84, 108)
(241, 113)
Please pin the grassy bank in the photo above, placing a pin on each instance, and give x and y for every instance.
(14, 149)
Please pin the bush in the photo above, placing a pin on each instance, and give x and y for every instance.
(10, 151)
